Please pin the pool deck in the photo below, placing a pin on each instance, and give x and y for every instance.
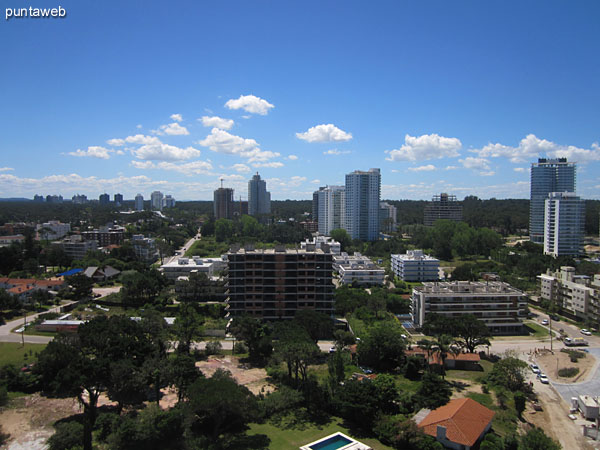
(352, 445)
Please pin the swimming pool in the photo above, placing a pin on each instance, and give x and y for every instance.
(334, 442)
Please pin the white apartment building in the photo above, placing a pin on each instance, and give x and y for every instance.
(500, 306)
(185, 266)
(144, 247)
(156, 200)
(358, 268)
(139, 202)
(52, 230)
(577, 295)
(168, 201)
(415, 266)
(331, 201)
(564, 221)
(320, 241)
(362, 191)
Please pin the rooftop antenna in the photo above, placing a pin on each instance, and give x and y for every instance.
(221, 183)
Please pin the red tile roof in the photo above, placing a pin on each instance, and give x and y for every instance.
(465, 420)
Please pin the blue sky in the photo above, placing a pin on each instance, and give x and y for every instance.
(443, 96)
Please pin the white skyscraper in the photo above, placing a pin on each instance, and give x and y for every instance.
(156, 200)
(331, 213)
(547, 175)
(139, 202)
(259, 199)
(564, 220)
(363, 191)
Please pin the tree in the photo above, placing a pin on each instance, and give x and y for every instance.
(433, 392)
(223, 229)
(509, 372)
(520, 401)
(81, 285)
(182, 373)
(536, 439)
(255, 334)
(219, 405)
(382, 347)
(295, 347)
(316, 324)
(472, 332)
(84, 364)
(187, 327)
(443, 343)
(341, 235)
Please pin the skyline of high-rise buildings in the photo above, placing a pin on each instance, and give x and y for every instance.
(259, 199)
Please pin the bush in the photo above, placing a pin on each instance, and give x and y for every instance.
(568, 372)
(3, 396)
(213, 348)
(106, 423)
(68, 436)
(240, 347)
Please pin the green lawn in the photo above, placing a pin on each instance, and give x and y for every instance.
(536, 331)
(293, 438)
(13, 353)
(470, 375)
(485, 399)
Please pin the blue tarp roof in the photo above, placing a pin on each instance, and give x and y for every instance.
(70, 272)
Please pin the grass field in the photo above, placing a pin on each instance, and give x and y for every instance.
(13, 353)
(536, 331)
(470, 375)
(293, 438)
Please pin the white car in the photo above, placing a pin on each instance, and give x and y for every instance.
(544, 379)
(586, 332)
(535, 369)
(545, 322)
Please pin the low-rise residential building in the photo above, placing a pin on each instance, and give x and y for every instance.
(52, 230)
(275, 283)
(105, 236)
(320, 241)
(499, 305)
(76, 247)
(7, 241)
(23, 287)
(578, 296)
(144, 247)
(358, 269)
(101, 273)
(415, 266)
(185, 266)
(15, 228)
(460, 424)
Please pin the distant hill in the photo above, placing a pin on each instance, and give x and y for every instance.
(15, 199)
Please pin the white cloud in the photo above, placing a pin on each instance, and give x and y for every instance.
(217, 122)
(521, 169)
(173, 129)
(221, 141)
(251, 104)
(191, 168)
(142, 164)
(450, 168)
(176, 117)
(242, 168)
(480, 165)
(6, 169)
(297, 180)
(336, 152)
(531, 147)
(139, 126)
(427, 168)
(324, 133)
(93, 152)
(116, 142)
(140, 139)
(272, 165)
(315, 181)
(427, 146)
(292, 157)
(165, 152)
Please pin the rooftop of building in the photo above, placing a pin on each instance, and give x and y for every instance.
(279, 249)
(415, 255)
(467, 287)
(464, 419)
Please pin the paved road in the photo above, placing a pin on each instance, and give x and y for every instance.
(590, 387)
(183, 249)
(7, 336)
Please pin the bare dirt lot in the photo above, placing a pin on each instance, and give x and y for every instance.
(253, 378)
(549, 363)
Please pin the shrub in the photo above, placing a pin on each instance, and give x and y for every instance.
(568, 372)
(240, 347)
(213, 348)
(3, 396)
(69, 435)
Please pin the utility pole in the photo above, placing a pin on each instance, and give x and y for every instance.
(551, 350)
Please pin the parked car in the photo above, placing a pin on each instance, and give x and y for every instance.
(545, 322)
(544, 379)
(535, 369)
(331, 349)
(586, 332)
(555, 317)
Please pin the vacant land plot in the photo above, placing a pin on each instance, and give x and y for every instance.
(17, 354)
(550, 363)
(253, 378)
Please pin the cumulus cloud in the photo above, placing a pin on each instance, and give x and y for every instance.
(221, 141)
(272, 165)
(336, 152)
(242, 168)
(173, 129)
(292, 157)
(427, 146)
(139, 126)
(176, 117)
(164, 152)
(297, 180)
(521, 169)
(450, 168)
(531, 147)
(216, 122)
(141, 139)
(324, 133)
(480, 165)
(6, 169)
(427, 168)
(191, 168)
(93, 152)
(315, 181)
(251, 104)
(116, 142)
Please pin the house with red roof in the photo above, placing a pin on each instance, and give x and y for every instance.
(460, 361)
(459, 425)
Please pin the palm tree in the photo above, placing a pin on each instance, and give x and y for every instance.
(426, 345)
(443, 343)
